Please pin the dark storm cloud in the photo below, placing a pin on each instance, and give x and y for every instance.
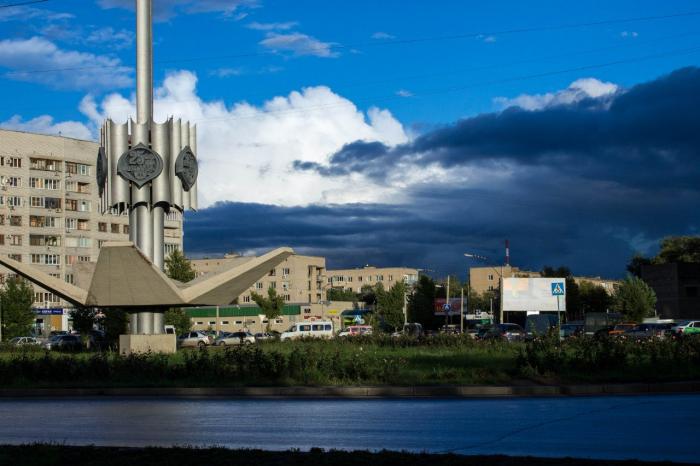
(632, 138)
(584, 185)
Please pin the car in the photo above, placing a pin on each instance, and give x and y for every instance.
(571, 330)
(450, 330)
(508, 332)
(356, 330)
(70, 342)
(235, 338)
(649, 330)
(687, 328)
(263, 336)
(615, 330)
(195, 339)
(24, 341)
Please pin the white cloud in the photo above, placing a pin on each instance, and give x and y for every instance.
(629, 34)
(382, 35)
(45, 125)
(246, 151)
(272, 26)
(577, 91)
(488, 39)
(115, 39)
(226, 72)
(299, 44)
(404, 93)
(30, 60)
(166, 9)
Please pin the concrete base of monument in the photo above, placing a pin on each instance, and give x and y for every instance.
(129, 344)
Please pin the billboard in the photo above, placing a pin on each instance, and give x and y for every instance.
(534, 294)
(454, 308)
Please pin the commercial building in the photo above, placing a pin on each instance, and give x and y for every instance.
(677, 288)
(50, 216)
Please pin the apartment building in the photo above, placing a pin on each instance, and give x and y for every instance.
(355, 279)
(50, 216)
(488, 278)
(299, 279)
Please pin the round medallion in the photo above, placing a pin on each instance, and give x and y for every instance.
(186, 168)
(101, 169)
(140, 165)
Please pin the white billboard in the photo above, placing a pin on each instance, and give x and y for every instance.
(534, 294)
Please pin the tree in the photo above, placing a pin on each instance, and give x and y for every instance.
(84, 319)
(271, 306)
(635, 264)
(16, 300)
(339, 294)
(390, 304)
(421, 303)
(178, 318)
(635, 299)
(114, 324)
(594, 298)
(368, 294)
(679, 249)
(178, 267)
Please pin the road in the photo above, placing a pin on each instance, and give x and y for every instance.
(641, 427)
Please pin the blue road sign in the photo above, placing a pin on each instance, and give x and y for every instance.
(558, 289)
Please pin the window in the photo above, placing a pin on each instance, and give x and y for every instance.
(327, 327)
(287, 297)
(246, 299)
(349, 279)
(380, 278)
(70, 279)
(13, 201)
(36, 183)
(2, 240)
(71, 224)
(44, 164)
(273, 285)
(14, 181)
(52, 184)
(36, 202)
(259, 285)
(46, 259)
(125, 230)
(285, 271)
(42, 240)
(115, 228)
(84, 188)
(16, 257)
(72, 186)
(84, 206)
(83, 169)
(102, 226)
(72, 205)
(15, 220)
(15, 240)
(14, 162)
(490, 276)
(2, 219)
(359, 279)
(305, 328)
(490, 287)
(70, 259)
(83, 225)
(212, 322)
(224, 322)
(391, 278)
(83, 258)
(272, 273)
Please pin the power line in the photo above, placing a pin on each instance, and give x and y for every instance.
(30, 2)
(336, 45)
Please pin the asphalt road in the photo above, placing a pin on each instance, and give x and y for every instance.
(631, 427)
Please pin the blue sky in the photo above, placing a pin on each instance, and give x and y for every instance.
(280, 90)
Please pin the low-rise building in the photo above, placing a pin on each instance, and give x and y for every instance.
(355, 279)
(488, 278)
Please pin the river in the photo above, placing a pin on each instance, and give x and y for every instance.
(639, 427)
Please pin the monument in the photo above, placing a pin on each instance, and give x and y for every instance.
(147, 169)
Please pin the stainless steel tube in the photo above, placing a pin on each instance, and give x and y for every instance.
(144, 234)
(158, 323)
(134, 324)
(145, 323)
(158, 229)
(144, 62)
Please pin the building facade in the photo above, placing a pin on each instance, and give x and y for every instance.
(483, 279)
(677, 288)
(50, 216)
(299, 279)
(355, 279)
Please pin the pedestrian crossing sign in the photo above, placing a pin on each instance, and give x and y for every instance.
(557, 289)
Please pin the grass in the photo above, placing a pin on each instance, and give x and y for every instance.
(446, 360)
(55, 455)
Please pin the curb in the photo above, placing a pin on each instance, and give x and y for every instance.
(440, 391)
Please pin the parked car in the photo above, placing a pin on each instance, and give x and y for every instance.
(193, 339)
(317, 329)
(615, 330)
(509, 332)
(266, 336)
(687, 328)
(412, 329)
(450, 329)
(24, 341)
(235, 338)
(64, 343)
(650, 330)
(540, 324)
(571, 330)
(356, 330)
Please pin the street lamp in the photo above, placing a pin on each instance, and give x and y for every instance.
(500, 280)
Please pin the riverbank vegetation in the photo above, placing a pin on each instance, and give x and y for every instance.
(440, 360)
(54, 455)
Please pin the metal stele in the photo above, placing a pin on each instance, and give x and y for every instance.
(186, 168)
(102, 170)
(140, 165)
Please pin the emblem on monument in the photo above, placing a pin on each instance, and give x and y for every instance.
(186, 168)
(101, 170)
(140, 165)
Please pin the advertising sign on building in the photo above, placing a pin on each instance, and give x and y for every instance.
(443, 308)
(534, 294)
(48, 312)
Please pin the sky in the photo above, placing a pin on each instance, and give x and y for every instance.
(395, 133)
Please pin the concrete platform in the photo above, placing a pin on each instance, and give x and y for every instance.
(129, 344)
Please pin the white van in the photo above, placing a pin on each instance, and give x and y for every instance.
(318, 329)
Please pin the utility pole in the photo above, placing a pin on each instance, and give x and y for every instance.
(461, 314)
(447, 301)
